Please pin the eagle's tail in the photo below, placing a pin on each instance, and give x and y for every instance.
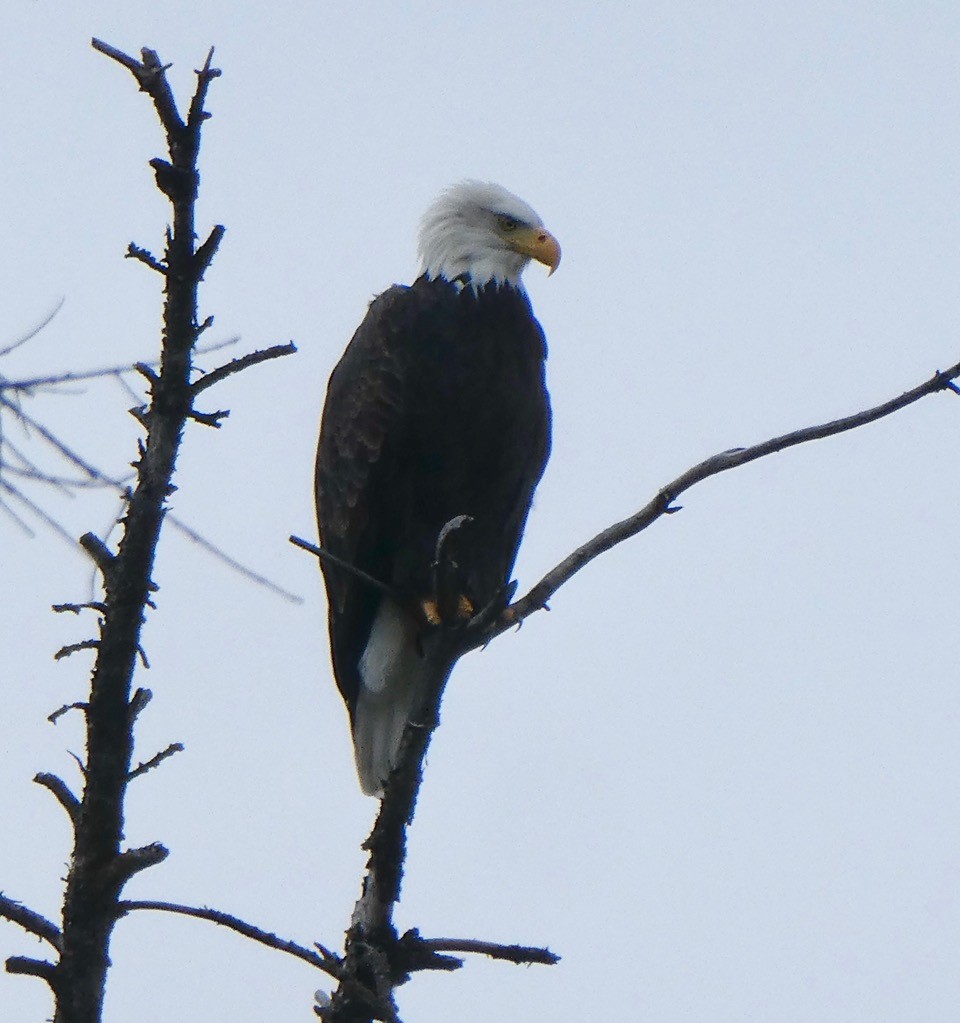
(394, 677)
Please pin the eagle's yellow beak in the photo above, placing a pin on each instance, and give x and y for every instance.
(539, 244)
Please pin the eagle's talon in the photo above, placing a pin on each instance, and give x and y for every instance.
(430, 608)
(431, 611)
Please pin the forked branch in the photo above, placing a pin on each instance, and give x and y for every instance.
(373, 951)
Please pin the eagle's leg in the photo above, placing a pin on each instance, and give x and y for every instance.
(448, 605)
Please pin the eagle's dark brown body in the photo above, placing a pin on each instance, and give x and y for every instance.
(438, 408)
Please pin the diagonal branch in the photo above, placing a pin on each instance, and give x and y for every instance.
(147, 258)
(155, 760)
(98, 478)
(197, 114)
(236, 365)
(249, 573)
(48, 520)
(151, 75)
(61, 792)
(203, 257)
(345, 566)
(328, 965)
(56, 443)
(30, 921)
(32, 333)
(662, 503)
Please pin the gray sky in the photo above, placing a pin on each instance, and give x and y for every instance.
(721, 777)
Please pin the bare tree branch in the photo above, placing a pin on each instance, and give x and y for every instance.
(151, 75)
(30, 920)
(75, 648)
(97, 478)
(32, 333)
(236, 365)
(327, 964)
(249, 573)
(68, 453)
(55, 716)
(17, 520)
(48, 520)
(28, 384)
(154, 761)
(62, 794)
(147, 258)
(358, 573)
(90, 605)
(132, 861)
(28, 967)
(141, 697)
(204, 255)
(101, 554)
(663, 502)
(520, 954)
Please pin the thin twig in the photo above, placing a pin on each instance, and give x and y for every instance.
(149, 765)
(357, 573)
(98, 478)
(236, 365)
(261, 580)
(32, 333)
(55, 442)
(445, 588)
(234, 923)
(17, 520)
(48, 520)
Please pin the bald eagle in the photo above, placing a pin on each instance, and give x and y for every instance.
(437, 409)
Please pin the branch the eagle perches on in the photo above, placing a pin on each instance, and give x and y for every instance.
(372, 942)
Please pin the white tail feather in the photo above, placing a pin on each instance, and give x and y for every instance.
(394, 679)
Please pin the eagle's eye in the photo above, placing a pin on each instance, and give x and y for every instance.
(507, 223)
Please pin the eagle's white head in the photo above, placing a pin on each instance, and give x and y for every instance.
(480, 229)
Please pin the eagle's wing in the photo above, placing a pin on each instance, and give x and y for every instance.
(361, 431)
